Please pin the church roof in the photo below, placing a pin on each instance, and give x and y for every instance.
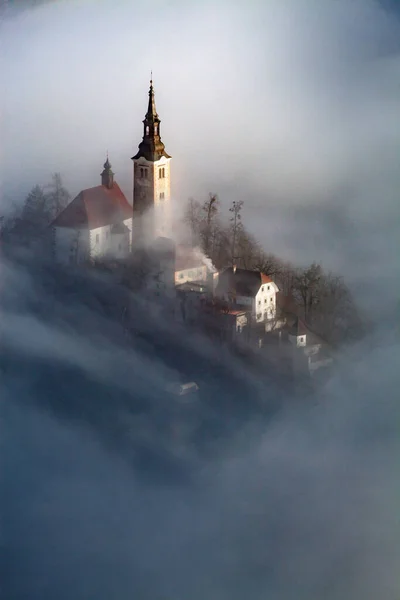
(95, 207)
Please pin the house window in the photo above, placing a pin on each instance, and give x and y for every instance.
(268, 288)
(259, 316)
(97, 238)
(162, 196)
(301, 340)
(271, 300)
(265, 301)
(259, 303)
(262, 289)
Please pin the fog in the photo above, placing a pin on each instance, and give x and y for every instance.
(291, 106)
(281, 494)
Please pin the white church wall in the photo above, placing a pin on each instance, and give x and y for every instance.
(105, 243)
(155, 191)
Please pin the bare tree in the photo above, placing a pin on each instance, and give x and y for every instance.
(236, 225)
(306, 289)
(209, 217)
(192, 218)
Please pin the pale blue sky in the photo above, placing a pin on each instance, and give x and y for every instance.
(277, 103)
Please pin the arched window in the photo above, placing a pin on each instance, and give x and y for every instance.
(163, 173)
(141, 172)
(147, 130)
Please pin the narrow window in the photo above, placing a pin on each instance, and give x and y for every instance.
(162, 196)
(259, 303)
(159, 173)
(163, 173)
(97, 238)
(141, 172)
(147, 130)
(265, 301)
(262, 289)
(268, 287)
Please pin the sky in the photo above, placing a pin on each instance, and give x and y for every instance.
(291, 107)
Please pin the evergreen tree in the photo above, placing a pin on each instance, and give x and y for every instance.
(57, 196)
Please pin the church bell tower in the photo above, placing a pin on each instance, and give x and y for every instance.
(151, 181)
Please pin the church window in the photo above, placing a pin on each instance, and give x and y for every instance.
(262, 289)
(162, 196)
(265, 301)
(259, 303)
(161, 173)
(141, 172)
(268, 287)
(147, 130)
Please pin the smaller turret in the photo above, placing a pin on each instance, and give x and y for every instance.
(107, 176)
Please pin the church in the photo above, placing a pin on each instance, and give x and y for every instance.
(100, 223)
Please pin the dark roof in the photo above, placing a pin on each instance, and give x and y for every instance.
(241, 282)
(95, 207)
(298, 328)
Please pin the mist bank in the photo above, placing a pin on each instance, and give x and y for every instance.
(291, 497)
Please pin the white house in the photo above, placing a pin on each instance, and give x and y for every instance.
(249, 290)
(189, 266)
(310, 352)
(96, 224)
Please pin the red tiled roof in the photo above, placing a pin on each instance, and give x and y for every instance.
(265, 278)
(95, 207)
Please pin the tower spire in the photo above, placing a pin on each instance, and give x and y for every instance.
(107, 176)
(151, 147)
(151, 114)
